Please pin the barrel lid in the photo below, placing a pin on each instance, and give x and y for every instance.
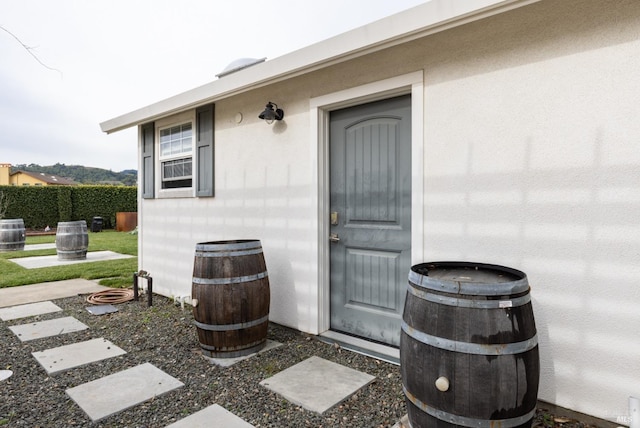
(72, 223)
(469, 278)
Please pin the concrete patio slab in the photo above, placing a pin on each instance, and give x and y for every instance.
(28, 310)
(38, 330)
(111, 394)
(228, 362)
(66, 357)
(214, 415)
(13, 296)
(317, 384)
(48, 261)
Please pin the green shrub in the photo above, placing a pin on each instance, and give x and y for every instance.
(65, 207)
(40, 206)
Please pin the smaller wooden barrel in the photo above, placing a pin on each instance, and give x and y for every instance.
(12, 234)
(231, 290)
(72, 240)
(469, 347)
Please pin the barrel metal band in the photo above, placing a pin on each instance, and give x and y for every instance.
(228, 253)
(471, 348)
(469, 303)
(231, 280)
(227, 327)
(231, 246)
(466, 421)
(471, 288)
(229, 350)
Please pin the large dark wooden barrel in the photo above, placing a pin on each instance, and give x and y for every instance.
(12, 234)
(469, 347)
(231, 289)
(72, 240)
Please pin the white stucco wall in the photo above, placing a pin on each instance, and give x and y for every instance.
(531, 160)
(262, 191)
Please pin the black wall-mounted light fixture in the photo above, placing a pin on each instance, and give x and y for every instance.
(269, 114)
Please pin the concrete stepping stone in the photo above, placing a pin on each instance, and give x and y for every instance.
(214, 415)
(111, 394)
(38, 330)
(101, 309)
(13, 296)
(317, 384)
(28, 310)
(5, 374)
(62, 358)
(228, 362)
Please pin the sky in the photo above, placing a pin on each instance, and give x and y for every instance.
(98, 59)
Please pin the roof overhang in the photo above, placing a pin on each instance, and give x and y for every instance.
(428, 18)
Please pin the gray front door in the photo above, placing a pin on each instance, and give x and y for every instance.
(370, 163)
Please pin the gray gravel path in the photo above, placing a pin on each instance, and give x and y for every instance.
(164, 336)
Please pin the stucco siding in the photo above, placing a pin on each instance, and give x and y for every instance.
(531, 159)
(262, 191)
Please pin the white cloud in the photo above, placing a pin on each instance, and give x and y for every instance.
(120, 55)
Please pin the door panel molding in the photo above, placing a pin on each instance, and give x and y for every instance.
(367, 290)
(320, 107)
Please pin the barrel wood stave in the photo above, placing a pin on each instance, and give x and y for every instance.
(230, 282)
(72, 240)
(12, 235)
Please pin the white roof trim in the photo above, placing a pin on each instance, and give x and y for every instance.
(430, 17)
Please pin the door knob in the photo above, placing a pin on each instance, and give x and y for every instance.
(334, 237)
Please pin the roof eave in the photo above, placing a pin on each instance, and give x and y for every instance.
(420, 21)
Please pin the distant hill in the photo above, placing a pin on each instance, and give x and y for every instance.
(83, 174)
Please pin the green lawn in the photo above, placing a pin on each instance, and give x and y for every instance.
(113, 273)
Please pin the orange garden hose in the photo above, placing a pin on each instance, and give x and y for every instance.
(112, 296)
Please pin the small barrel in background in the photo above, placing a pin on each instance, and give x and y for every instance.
(72, 240)
(231, 295)
(468, 347)
(12, 235)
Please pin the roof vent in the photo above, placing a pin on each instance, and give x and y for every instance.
(239, 64)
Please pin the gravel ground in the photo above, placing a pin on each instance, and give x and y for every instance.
(164, 336)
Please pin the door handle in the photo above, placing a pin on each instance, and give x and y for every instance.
(334, 237)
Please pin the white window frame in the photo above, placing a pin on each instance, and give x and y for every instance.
(161, 124)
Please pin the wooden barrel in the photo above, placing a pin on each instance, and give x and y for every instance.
(469, 347)
(12, 234)
(72, 240)
(231, 289)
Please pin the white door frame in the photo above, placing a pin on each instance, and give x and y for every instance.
(320, 107)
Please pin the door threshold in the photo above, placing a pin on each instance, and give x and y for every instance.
(362, 346)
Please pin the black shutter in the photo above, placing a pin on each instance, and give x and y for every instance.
(204, 150)
(147, 176)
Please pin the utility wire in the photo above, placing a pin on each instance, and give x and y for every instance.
(30, 50)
